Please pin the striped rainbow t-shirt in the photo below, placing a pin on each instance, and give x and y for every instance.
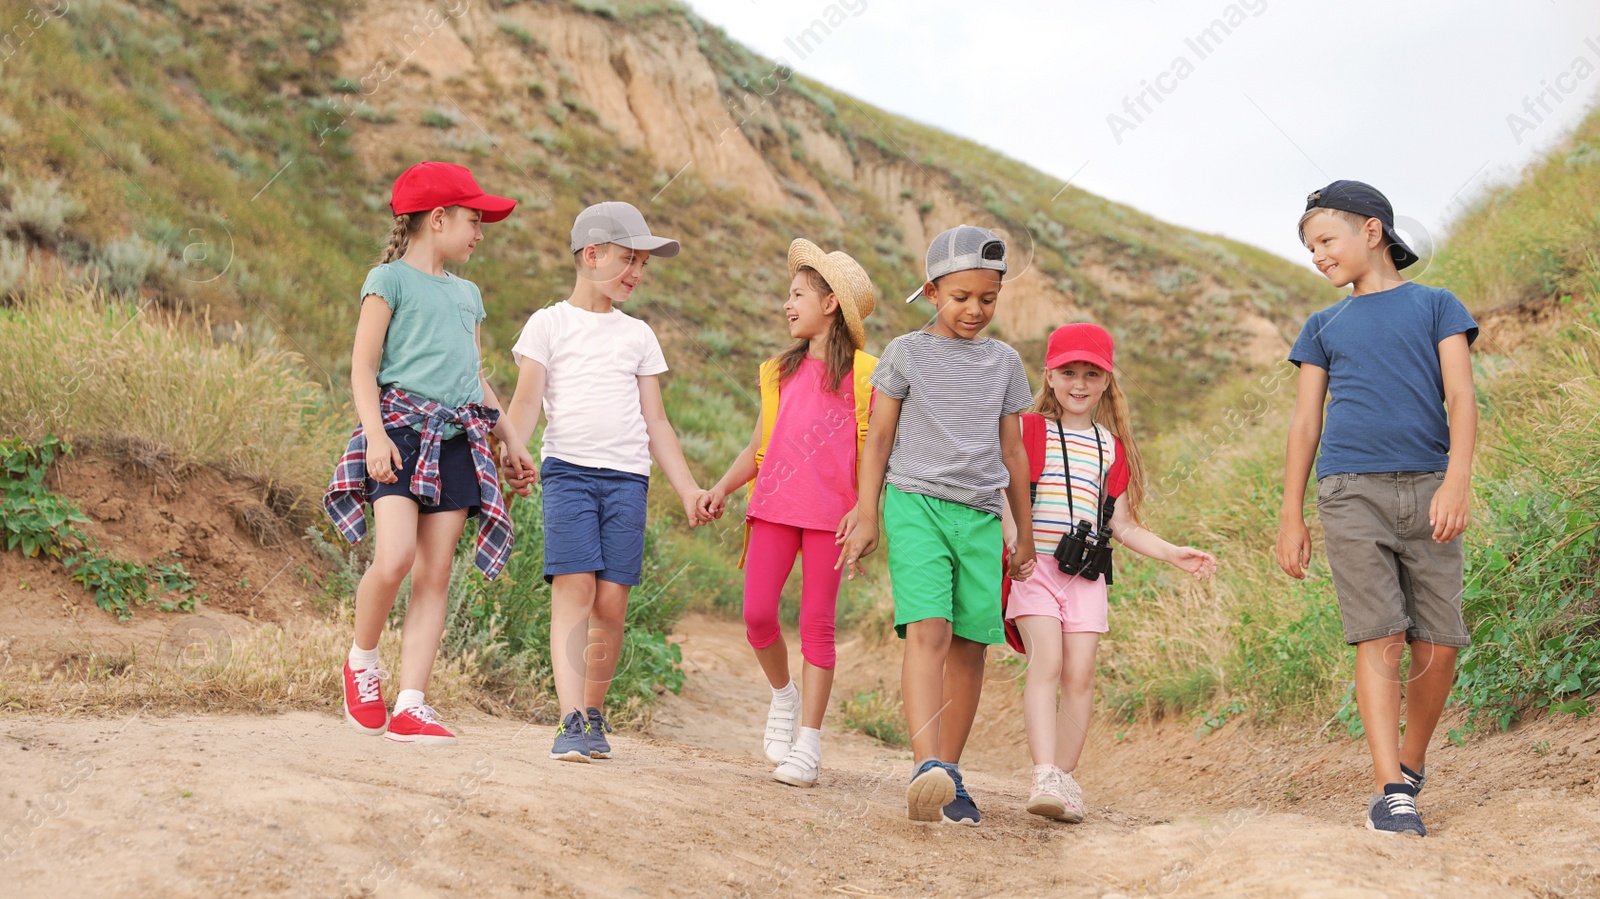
(1050, 509)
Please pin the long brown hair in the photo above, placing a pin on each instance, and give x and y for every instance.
(1112, 412)
(841, 354)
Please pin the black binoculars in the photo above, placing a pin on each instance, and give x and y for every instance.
(1085, 551)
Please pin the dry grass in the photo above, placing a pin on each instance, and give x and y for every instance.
(80, 365)
(271, 669)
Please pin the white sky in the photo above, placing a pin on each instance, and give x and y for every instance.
(1412, 97)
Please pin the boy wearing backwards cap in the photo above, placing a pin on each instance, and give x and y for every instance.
(593, 371)
(945, 430)
(1398, 442)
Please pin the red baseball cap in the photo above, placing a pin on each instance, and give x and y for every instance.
(1080, 342)
(430, 185)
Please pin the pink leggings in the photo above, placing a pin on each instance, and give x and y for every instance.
(767, 565)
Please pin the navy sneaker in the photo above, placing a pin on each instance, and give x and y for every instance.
(572, 739)
(932, 788)
(598, 728)
(1395, 812)
(1414, 779)
(961, 810)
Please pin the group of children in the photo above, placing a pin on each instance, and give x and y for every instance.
(997, 521)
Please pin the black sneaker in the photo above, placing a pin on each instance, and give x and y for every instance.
(961, 810)
(1395, 812)
(572, 739)
(1414, 779)
(598, 728)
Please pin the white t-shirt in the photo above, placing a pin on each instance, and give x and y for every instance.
(591, 397)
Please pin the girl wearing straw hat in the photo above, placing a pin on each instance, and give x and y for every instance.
(801, 467)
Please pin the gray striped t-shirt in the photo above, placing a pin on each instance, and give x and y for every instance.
(953, 393)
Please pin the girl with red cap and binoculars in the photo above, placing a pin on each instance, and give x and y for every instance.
(1087, 486)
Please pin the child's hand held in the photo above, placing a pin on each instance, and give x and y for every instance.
(1022, 563)
(846, 525)
(860, 541)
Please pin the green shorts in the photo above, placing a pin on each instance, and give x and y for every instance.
(944, 562)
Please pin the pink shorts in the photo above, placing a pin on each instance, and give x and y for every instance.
(1078, 604)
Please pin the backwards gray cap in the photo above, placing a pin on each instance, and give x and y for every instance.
(962, 248)
(621, 224)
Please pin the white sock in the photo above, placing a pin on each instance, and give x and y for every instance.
(810, 738)
(361, 659)
(789, 695)
(408, 699)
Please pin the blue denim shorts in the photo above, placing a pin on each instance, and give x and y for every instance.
(593, 521)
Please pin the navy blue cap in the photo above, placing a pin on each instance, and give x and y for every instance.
(1364, 199)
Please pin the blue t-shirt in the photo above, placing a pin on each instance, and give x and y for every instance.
(1381, 352)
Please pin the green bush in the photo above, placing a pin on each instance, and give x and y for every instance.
(39, 523)
(877, 714)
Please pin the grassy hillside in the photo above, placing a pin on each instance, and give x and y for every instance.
(1522, 260)
(225, 165)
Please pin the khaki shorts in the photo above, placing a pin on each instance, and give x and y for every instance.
(1390, 575)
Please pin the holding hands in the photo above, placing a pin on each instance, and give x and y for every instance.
(857, 536)
(518, 468)
(711, 505)
(701, 507)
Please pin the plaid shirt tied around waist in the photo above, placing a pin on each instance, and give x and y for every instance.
(348, 491)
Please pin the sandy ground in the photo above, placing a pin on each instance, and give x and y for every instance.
(300, 804)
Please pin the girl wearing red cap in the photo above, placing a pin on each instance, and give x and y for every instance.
(1088, 484)
(420, 455)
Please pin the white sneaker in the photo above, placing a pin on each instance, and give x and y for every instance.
(800, 768)
(781, 729)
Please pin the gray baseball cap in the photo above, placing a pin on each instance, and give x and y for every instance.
(621, 224)
(962, 248)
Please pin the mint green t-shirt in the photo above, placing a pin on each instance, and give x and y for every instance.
(431, 349)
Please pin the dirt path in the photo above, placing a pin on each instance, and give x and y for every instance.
(300, 804)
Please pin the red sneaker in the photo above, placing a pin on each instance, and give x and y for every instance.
(363, 700)
(419, 724)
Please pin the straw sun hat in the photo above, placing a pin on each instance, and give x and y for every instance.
(847, 278)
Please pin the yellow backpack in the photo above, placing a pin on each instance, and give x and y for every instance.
(862, 380)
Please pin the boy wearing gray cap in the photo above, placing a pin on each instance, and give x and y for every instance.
(592, 369)
(1398, 443)
(945, 432)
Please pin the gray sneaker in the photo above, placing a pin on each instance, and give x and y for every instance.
(572, 739)
(1395, 812)
(599, 748)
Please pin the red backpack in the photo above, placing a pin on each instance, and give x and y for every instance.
(1034, 440)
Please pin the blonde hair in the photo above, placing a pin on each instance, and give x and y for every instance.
(1110, 412)
(1355, 220)
(841, 359)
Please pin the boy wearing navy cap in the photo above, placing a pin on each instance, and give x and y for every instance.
(1398, 443)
